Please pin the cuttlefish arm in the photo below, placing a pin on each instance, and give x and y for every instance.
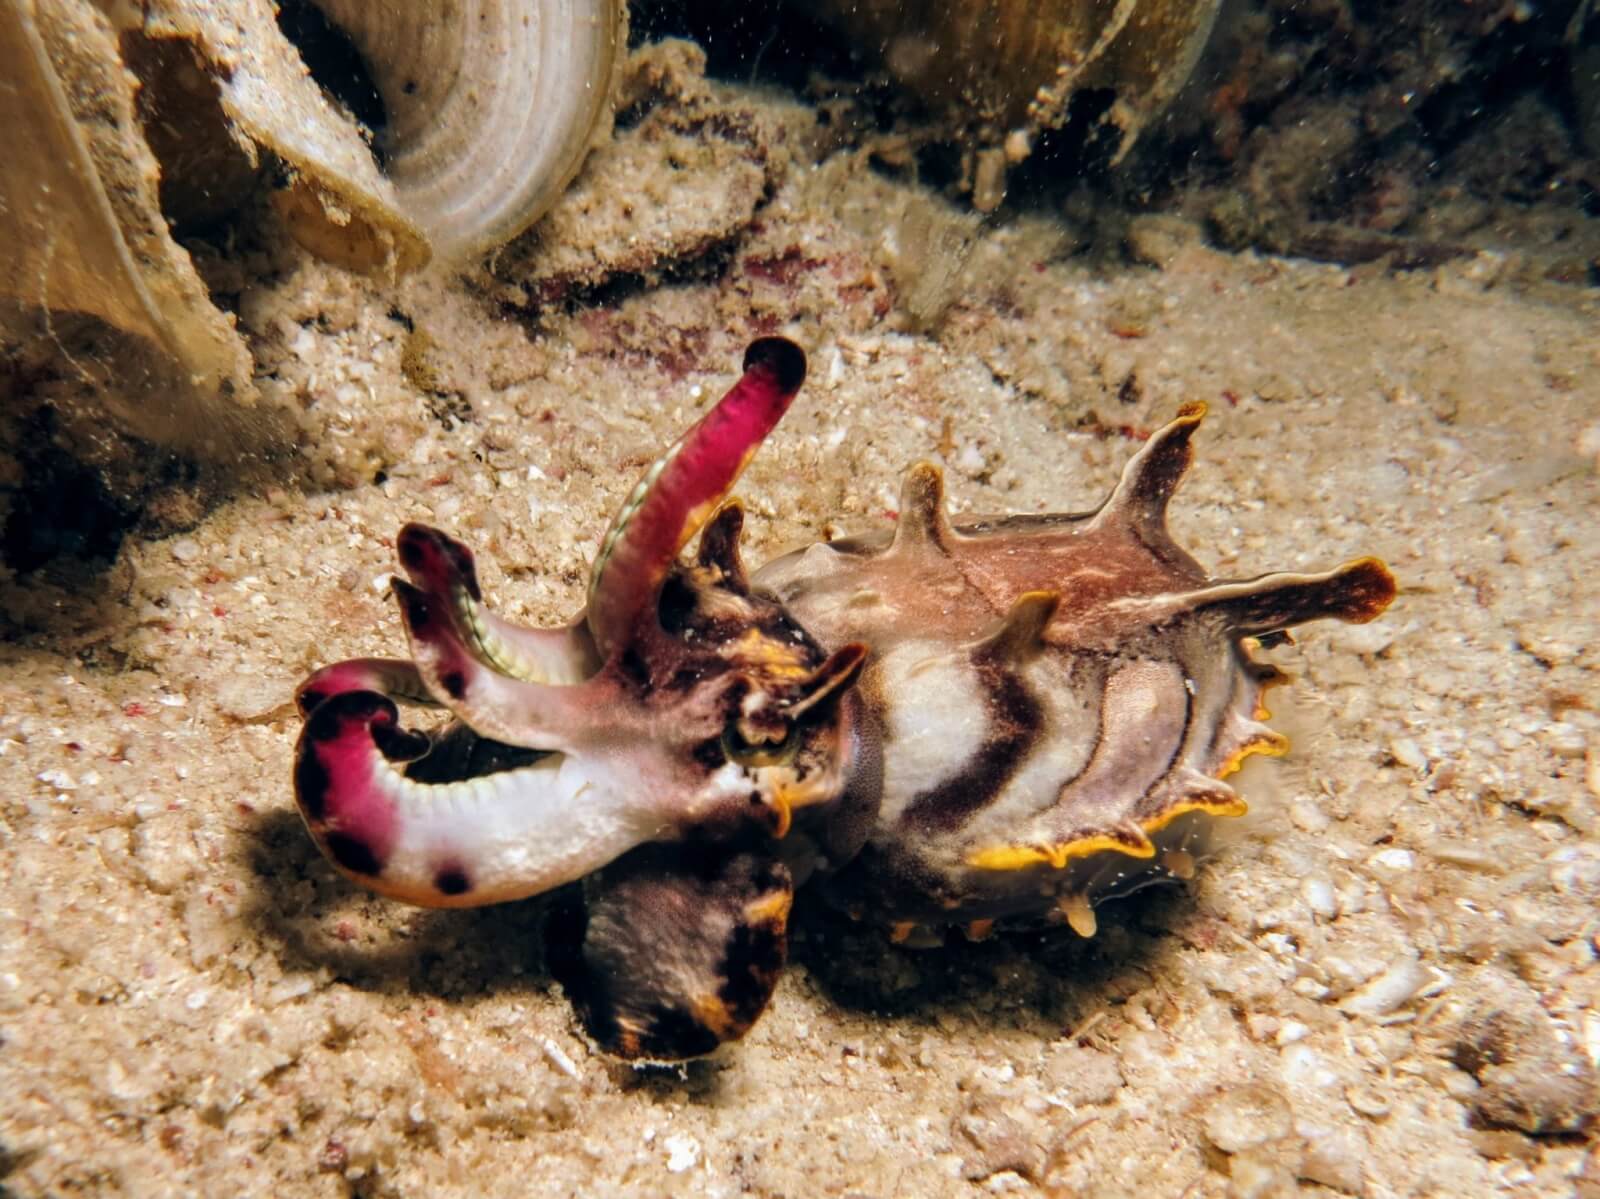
(681, 491)
(500, 836)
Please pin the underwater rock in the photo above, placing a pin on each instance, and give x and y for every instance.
(683, 179)
(999, 74)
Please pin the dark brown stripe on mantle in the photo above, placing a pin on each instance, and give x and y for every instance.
(1015, 719)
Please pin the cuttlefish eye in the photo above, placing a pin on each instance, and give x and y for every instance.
(767, 751)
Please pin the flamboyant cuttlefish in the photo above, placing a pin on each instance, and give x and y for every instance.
(954, 723)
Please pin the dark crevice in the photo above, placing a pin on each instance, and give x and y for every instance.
(764, 41)
(336, 65)
(63, 509)
(703, 264)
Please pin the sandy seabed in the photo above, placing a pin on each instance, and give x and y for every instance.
(1383, 983)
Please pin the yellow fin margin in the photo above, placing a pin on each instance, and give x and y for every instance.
(1268, 744)
(1020, 857)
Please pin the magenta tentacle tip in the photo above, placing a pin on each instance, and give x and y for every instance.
(780, 357)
